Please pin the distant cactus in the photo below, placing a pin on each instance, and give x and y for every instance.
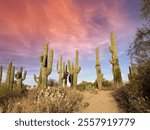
(10, 76)
(59, 69)
(46, 67)
(115, 62)
(98, 70)
(132, 71)
(20, 77)
(65, 74)
(1, 72)
(74, 71)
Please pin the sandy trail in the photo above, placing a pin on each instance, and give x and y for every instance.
(103, 102)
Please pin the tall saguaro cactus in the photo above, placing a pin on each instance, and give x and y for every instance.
(20, 77)
(98, 70)
(46, 67)
(76, 70)
(59, 69)
(115, 62)
(10, 76)
(1, 72)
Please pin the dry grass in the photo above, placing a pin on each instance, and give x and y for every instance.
(51, 99)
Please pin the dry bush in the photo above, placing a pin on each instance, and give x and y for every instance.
(51, 99)
(129, 99)
(8, 97)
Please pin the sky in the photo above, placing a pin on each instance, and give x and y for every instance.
(67, 25)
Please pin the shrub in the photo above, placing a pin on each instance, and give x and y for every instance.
(130, 99)
(51, 99)
(86, 86)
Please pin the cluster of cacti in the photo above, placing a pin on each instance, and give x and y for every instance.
(1, 72)
(61, 67)
(132, 71)
(46, 67)
(74, 71)
(10, 76)
(20, 77)
(115, 62)
(98, 70)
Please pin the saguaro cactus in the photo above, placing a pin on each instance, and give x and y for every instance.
(65, 74)
(98, 70)
(132, 71)
(46, 67)
(10, 76)
(1, 72)
(71, 69)
(115, 62)
(59, 69)
(76, 70)
(20, 77)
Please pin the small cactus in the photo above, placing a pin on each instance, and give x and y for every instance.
(20, 77)
(115, 62)
(46, 67)
(98, 70)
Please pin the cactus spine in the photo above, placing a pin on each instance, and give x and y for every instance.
(20, 77)
(1, 72)
(65, 74)
(59, 69)
(132, 71)
(115, 62)
(46, 67)
(98, 70)
(10, 76)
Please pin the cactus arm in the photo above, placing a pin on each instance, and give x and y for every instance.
(77, 55)
(69, 66)
(79, 69)
(24, 75)
(50, 63)
(45, 52)
(36, 79)
(57, 66)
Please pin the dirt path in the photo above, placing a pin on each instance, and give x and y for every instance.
(102, 102)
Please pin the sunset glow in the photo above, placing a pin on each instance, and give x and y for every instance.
(68, 25)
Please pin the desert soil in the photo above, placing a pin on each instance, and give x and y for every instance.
(102, 102)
